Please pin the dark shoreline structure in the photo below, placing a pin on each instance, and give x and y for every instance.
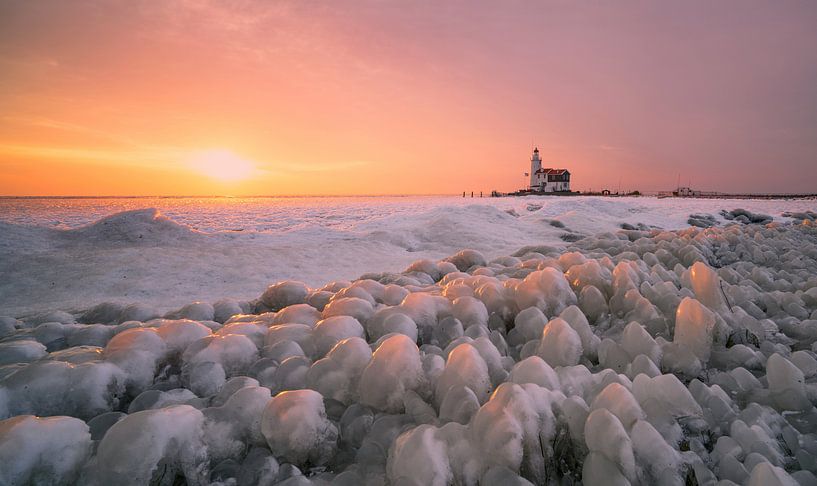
(660, 195)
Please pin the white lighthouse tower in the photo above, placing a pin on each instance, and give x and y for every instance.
(535, 168)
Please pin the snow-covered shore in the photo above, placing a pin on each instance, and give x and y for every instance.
(70, 254)
(612, 356)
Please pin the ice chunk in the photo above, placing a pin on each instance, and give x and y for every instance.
(146, 446)
(355, 307)
(332, 330)
(391, 320)
(466, 259)
(298, 314)
(465, 367)
(694, 328)
(636, 340)
(224, 309)
(395, 367)
(765, 474)
(654, 454)
(530, 323)
(297, 429)
(21, 352)
(337, 375)
(459, 405)
(786, 384)
(470, 311)
(606, 437)
(234, 352)
(577, 320)
(511, 429)
(534, 370)
(547, 289)
(195, 311)
(419, 457)
(37, 450)
(592, 303)
(560, 344)
(706, 285)
(60, 388)
(139, 351)
(620, 402)
(283, 294)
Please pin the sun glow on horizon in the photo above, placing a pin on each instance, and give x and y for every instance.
(222, 164)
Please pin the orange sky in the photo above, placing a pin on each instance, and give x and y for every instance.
(378, 97)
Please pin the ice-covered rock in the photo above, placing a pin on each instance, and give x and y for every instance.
(786, 384)
(337, 375)
(297, 429)
(694, 328)
(283, 294)
(395, 368)
(419, 457)
(465, 367)
(50, 450)
(146, 446)
(561, 345)
(611, 459)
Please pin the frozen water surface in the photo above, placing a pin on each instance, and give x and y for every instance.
(417, 340)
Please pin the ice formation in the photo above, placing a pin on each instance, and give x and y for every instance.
(635, 356)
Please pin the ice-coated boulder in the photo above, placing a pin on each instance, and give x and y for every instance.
(282, 294)
(470, 311)
(148, 445)
(48, 451)
(419, 457)
(297, 429)
(534, 370)
(61, 388)
(337, 375)
(707, 286)
(694, 328)
(465, 367)
(786, 384)
(546, 289)
(466, 259)
(395, 368)
(21, 352)
(620, 402)
(234, 352)
(332, 330)
(611, 450)
(561, 345)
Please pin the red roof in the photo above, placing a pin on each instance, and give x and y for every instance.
(551, 171)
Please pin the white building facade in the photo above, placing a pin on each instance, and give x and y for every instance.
(547, 179)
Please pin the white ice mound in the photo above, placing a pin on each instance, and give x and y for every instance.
(137, 227)
(337, 375)
(146, 446)
(611, 459)
(419, 457)
(59, 388)
(561, 345)
(49, 450)
(465, 367)
(395, 368)
(297, 429)
(694, 328)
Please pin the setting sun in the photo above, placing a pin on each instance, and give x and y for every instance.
(222, 165)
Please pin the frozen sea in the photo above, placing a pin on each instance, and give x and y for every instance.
(540, 340)
(71, 253)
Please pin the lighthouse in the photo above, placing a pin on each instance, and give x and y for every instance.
(535, 166)
(544, 180)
